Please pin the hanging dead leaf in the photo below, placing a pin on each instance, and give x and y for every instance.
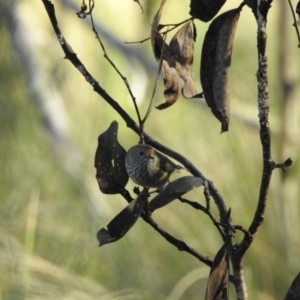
(205, 10)
(156, 38)
(181, 50)
(122, 222)
(174, 190)
(217, 285)
(168, 67)
(110, 162)
(215, 63)
(171, 82)
(177, 60)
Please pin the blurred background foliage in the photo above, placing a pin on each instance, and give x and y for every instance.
(50, 118)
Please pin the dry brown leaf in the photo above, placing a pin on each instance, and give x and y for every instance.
(155, 41)
(215, 63)
(181, 50)
(217, 285)
(171, 82)
(177, 60)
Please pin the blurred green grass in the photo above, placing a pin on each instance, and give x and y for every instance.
(51, 206)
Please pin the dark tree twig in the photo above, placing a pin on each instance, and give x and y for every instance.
(113, 64)
(295, 23)
(207, 211)
(180, 245)
(265, 137)
(155, 84)
(265, 134)
(164, 32)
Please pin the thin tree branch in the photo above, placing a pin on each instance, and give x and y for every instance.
(206, 209)
(113, 64)
(180, 245)
(155, 85)
(164, 32)
(295, 23)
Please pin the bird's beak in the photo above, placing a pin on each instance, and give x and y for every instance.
(150, 154)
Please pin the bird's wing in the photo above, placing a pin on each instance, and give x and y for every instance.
(166, 164)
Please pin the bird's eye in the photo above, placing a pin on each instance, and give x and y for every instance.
(141, 153)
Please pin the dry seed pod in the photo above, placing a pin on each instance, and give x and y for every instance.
(215, 63)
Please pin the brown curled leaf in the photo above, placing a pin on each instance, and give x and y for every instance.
(156, 38)
(215, 63)
(168, 66)
(177, 59)
(217, 285)
(177, 62)
(171, 82)
(181, 50)
(110, 162)
(205, 10)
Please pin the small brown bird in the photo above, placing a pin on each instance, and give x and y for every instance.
(147, 167)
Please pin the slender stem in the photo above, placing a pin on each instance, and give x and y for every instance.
(198, 206)
(174, 25)
(163, 32)
(180, 245)
(155, 85)
(113, 64)
(295, 23)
